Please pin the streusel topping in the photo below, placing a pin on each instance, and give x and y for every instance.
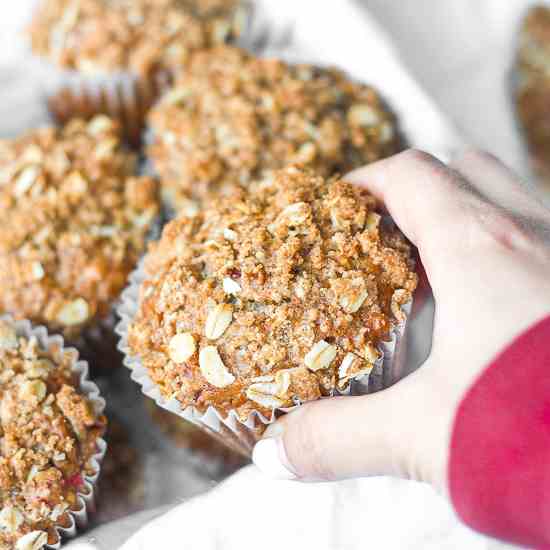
(50, 432)
(233, 118)
(73, 222)
(142, 36)
(278, 296)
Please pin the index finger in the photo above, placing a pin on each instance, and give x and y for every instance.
(420, 192)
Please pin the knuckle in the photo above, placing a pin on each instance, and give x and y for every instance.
(497, 228)
(418, 156)
(473, 154)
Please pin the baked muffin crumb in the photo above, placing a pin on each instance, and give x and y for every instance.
(234, 118)
(144, 37)
(50, 432)
(290, 307)
(74, 219)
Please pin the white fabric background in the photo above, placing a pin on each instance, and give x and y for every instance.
(458, 53)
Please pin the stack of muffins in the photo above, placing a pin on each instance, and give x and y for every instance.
(275, 282)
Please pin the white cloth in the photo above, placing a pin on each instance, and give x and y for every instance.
(459, 50)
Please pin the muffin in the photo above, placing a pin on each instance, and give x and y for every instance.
(74, 219)
(532, 87)
(233, 118)
(128, 49)
(283, 295)
(51, 439)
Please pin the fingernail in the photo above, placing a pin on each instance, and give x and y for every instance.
(270, 457)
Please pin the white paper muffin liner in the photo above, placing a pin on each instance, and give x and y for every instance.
(56, 346)
(241, 435)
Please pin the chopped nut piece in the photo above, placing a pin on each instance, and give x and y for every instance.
(33, 390)
(352, 367)
(364, 115)
(8, 336)
(265, 400)
(320, 356)
(10, 519)
(35, 540)
(230, 286)
(399, 299)
(26, 180)
(218, 321)
(346, 364)
(371, 353)
(229, 234)
(182, 347)
(213, 369)
(37, 271)
(74, 313)
(352, 303)
(296, 213)
(271, 393)
(99, 125)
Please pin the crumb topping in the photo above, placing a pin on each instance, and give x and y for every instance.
(278, 296)
(146, 37)
(232, 118)
(73, 222)
(49, 434)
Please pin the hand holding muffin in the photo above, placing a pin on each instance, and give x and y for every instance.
(483, 241)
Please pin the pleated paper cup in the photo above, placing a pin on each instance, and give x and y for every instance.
(121, 95)
(238, 433)
(54, 344)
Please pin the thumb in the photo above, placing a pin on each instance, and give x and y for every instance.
(398, 432)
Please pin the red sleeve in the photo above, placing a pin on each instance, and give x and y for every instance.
(499, 468)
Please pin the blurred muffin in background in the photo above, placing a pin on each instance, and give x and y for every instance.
(119, 54)
(233, 118)
(532, 87)
(185, 435)
(74, 220)
(52, 427)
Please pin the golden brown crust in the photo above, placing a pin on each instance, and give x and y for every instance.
(279, 295)
(233, 118)
(49, 434)
(73, 223)
(145, 37)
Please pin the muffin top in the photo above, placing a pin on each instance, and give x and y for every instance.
(50, 432)
(233, 118)
(142, 36)
(276, 297)
(73, 223)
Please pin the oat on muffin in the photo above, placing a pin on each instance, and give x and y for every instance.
(277, 297)
(233, 118)
(532, 86)
(74, 219)
(50, 432)
(143, 37)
